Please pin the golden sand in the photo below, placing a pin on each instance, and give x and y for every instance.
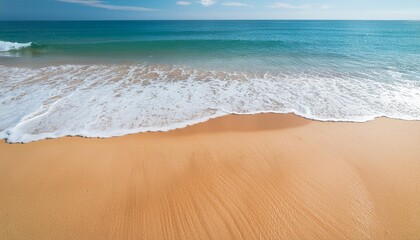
(237, 177)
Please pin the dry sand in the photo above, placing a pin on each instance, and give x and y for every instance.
(237, 177)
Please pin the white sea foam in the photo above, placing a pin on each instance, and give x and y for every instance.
(114, 100)
(8, 46)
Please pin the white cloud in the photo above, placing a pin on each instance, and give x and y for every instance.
(100, 4)
(207, 2)
(281, 5)
(183, 3)
(236, 4)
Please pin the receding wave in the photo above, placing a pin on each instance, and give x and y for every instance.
(114, 100)
(10, 46)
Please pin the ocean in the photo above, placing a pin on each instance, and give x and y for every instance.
(111, 78)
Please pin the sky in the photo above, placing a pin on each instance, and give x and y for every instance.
(207, 9)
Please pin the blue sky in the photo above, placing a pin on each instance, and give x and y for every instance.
(207, 9)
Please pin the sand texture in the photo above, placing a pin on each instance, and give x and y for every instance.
(237, 177)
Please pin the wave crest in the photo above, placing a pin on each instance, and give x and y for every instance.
(10, 46)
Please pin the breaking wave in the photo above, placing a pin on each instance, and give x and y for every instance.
(9, 46)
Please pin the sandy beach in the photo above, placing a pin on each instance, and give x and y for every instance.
(261, 176)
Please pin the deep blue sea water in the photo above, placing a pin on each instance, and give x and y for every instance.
(108, 78)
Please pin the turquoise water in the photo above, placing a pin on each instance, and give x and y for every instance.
(136, 76)
(256, 44)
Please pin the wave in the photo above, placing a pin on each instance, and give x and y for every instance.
(11, 46)
(115, 100)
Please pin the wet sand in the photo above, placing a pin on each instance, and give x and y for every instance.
(237, 177)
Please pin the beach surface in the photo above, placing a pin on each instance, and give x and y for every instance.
(266, 176)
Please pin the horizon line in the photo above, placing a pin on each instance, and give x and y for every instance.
(239, 19)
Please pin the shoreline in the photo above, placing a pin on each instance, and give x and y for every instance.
(200, 122)
(257, 176)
